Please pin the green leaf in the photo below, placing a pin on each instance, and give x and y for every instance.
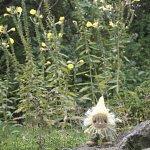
(84, 51)
(112, 87)
(78, 48)
(94, 48)
(84, 89)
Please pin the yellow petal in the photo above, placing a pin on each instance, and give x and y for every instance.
(111, 24)
(70, 66)
(69, 62)
(32, 11)
(49, 35)
(62, 19)
(43, 44)
(1, 28)
(81, 61)
(95, 24)
(60, 35)
(108, 6)
(9, 9)
(48, 63)
(19, 10)
(11, 41)
(6, 15)
(89, 24)
(41, 16)
(12, 29)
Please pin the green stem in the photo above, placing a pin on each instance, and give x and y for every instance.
(90, 64)
(118, 63)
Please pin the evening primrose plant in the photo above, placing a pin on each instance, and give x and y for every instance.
(51, 84)
(42, 80)
(101, 41)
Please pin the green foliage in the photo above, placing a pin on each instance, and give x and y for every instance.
(137, 51)
(54, 66)
(100, 44)
(4, 102)
(133, 106)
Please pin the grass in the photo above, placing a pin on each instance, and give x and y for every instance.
(23, 138)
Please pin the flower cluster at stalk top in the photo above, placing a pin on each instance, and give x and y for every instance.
(100, 121)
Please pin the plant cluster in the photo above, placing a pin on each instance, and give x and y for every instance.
(54, 68)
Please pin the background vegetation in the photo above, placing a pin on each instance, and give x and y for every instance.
(58, 57)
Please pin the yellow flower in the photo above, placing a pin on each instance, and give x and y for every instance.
(81, 61)
(49, 35)
(12, 29)
(41, 16)
(43, 44)
(9, 9)
(48, 63)
(11, 41)
(69, 62)
(60, 35)
(6, 15)
(89, 24)
(62, 19)
(70, 66)
(95, 24)
(19, 10)
(1, 28)
(111, 24)
(32, 11)
(108, 6)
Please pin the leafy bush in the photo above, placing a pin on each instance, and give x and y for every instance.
(133, 106)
